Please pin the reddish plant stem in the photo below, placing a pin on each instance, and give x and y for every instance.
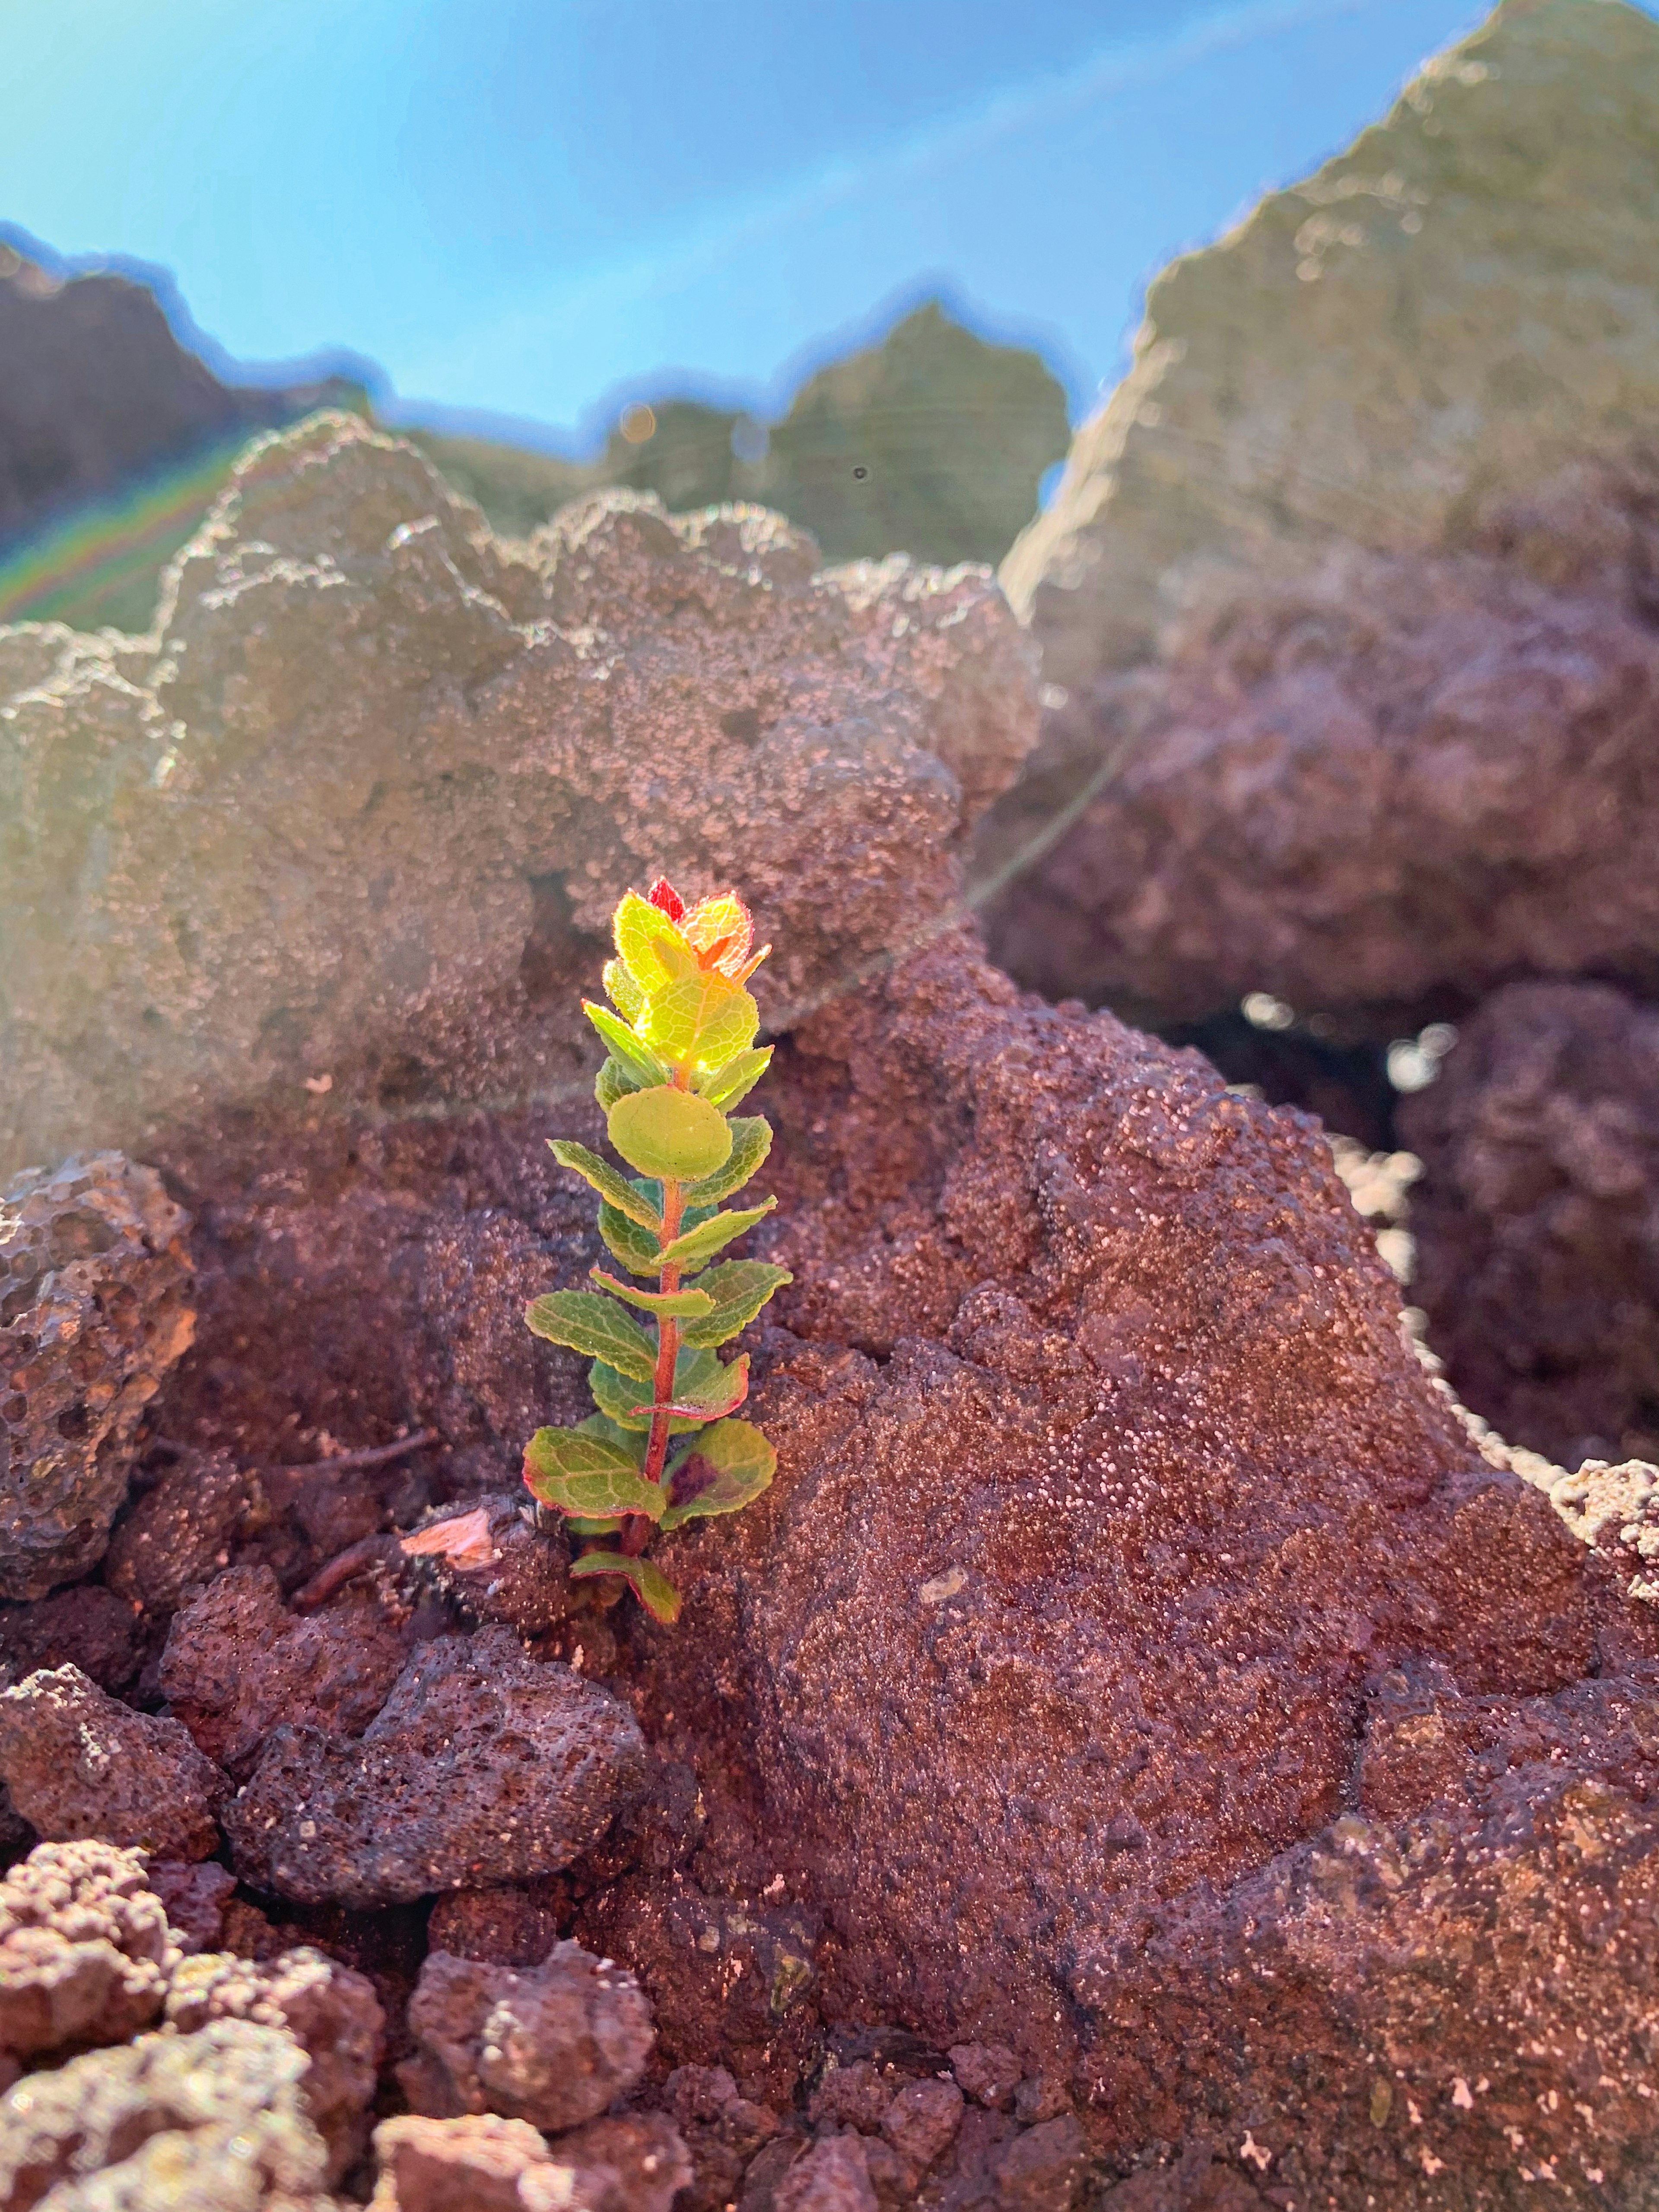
(636, 1529)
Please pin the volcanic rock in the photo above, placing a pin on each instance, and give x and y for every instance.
(831, 2177)
(238, 1663)
(331, 2012)
(1109, 1477)
(94, 1309)
(76, 1763)
(1345, 602)
(473, 2163)
(181, 1531)
(480, 1761)
(1438, 1955)
(86, 1949)
(1536, 1222)
(169, 2124)
(554, 2044)
(88, 1626)
(923, 2120)
(450, 737)
(516, 1924)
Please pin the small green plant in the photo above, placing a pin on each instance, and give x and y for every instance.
(680, 1034)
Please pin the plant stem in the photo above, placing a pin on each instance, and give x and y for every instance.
(636, 1532)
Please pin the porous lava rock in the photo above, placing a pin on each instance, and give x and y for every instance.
(1440, 1995)
(1346, 601)
(1536, 1221)
(88, 1626)
(1376, 793)
(511, 1924)
(554, 2044)
(95, 1306)
(238, 1663)
(471, 2163)
(833, 2176)
(77, 1763)
(480, 1762)
(482, 2163)
(451, 739)
(491, 1560)
(331, 2012)
(1108, 1479)
(213, 2122)
(178, 1534)
(86, 1949)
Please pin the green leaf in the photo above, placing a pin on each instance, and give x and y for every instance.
(751, 1140)
(576, 1471)
(701, 1243)
(654, 951)
(732, 1463)
(648, 1584)
(617, 1190)
(702, 1020)
(698, 1376)
(614, 1081)
(635, 1247)
(667, 1133)
(739, 1288)
(637, 1058)
(723, 1086)
(667, 1305)
(624, 992)
(596, 1326)
(578, 1524)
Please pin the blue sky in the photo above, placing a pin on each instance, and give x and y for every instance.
(532, 207)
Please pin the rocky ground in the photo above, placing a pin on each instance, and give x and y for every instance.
(1154, 1749)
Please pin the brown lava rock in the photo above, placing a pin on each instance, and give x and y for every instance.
(1395, 779)
(94, 1309)
(89, 1627)
(331, 2012)
(216, 2119)
(480, 1761)
(79, 1764)
(179, 1533)
(86, 1949)
(730, 1981)
(489, 1559)
(516, 1925)
(474, 2163)
(554, 2044)
(238, 1663)
(1537, 1218)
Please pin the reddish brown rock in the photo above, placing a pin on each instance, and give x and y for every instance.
(76, 1763)
(478, 2162)
(1394, 785)
(515, 1925)
(1440, 1999)
(331, 2012)
(94, 1309)
(491, 1560)
(632, 2162)
(89, 1627)
(1536, 1221)
(480, 1761)
(832, 2177)
(1132, 1483)
(987, 2072)
(179, 1533)
(921, 2122)
(1042, 2170)
(731, 1981)
(554, 2044)
(86, 1949)
(238, 1663)
(195, 1898)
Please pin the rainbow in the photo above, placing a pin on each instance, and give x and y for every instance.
(100, 564)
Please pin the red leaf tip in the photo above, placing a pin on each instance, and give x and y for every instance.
(662, 895)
